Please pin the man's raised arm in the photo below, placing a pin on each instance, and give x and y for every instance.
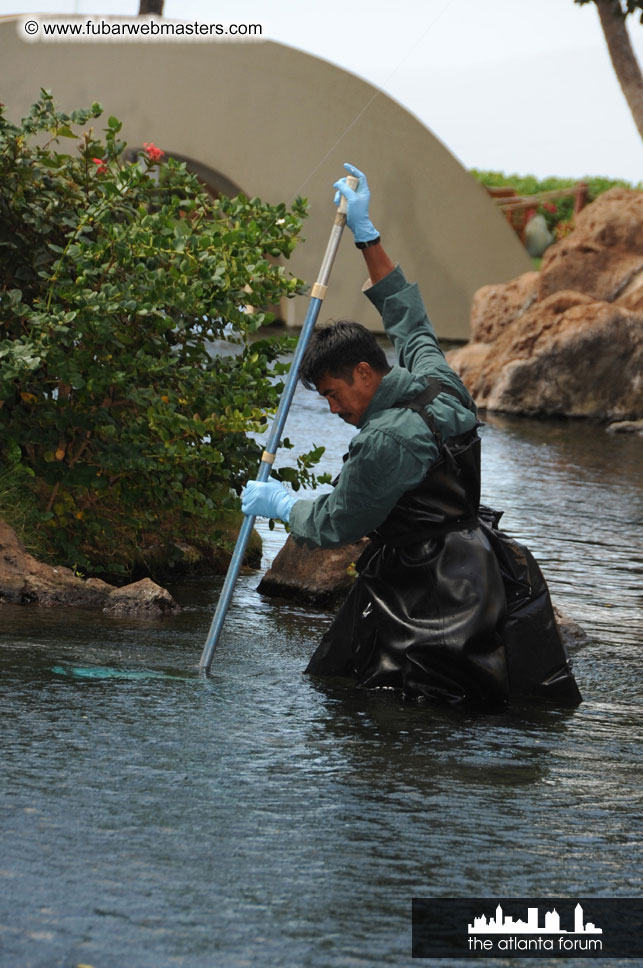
(367, 237)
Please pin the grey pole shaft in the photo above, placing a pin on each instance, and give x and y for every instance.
(317, 296)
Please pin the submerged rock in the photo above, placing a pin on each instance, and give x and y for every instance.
(26, 581)
(574, 635)
(626, 427)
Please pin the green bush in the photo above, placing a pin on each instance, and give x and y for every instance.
(116, 278)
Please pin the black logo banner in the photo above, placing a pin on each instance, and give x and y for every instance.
(456, 927)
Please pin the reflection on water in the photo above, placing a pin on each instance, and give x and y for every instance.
(574, 493)
(261, 817)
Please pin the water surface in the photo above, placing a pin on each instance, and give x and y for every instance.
(259, 817)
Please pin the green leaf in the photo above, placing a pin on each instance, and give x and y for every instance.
(13, 451)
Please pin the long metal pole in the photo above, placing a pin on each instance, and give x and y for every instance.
(317, 297)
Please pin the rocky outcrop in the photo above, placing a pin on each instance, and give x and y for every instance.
(323, 577)
(494, 307)
(567, 341)
(566, 356)
(319, 576)
(603, 256)
(24, 580)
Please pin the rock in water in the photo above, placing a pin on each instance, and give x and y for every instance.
(141, 596)
(319, 576)
(566, 356)
(567, 341)
(626, 427)
(24, 580)
(573, 635)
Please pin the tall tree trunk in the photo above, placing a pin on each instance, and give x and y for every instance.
(151, 6)
(623, 57)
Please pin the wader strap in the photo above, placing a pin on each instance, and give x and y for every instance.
(419, 403)
(422, 400)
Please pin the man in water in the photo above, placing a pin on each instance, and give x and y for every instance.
(445, 606)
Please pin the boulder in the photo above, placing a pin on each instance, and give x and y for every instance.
(471, 361)
(319, 576)
(597, 272)
(494, 307)
(141, 596)
(603, 256)
(613, 221)
(24, 580)
(632, 295)
(573, 635)
(567, 356)
(567, 341)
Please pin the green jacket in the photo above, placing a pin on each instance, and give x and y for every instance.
(394, 448)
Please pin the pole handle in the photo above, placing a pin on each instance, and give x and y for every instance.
(352, 182)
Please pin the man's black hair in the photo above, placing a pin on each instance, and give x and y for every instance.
(336, 349)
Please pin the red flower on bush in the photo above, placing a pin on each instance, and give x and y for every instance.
(152, 152)
(550, 207)
(101, 166)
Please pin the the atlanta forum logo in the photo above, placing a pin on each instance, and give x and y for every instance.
(505, 933)
(554, 928)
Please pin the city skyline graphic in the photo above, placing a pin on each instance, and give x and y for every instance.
(505, 924)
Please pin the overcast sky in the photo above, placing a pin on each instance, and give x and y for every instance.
(518, 85)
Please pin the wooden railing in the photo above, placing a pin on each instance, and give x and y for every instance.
(517, 207)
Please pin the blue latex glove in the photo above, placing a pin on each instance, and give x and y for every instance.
(357, 217)
(270, 499)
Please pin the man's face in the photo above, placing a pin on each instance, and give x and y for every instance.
(350, 400)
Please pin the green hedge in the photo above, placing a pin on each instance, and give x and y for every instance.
(117, 276)
(530, 185)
